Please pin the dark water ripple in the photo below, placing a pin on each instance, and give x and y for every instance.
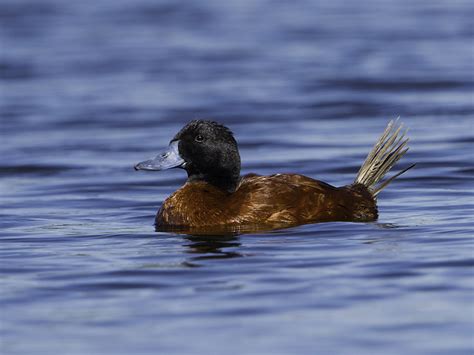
(90, 88)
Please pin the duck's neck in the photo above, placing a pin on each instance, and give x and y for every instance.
(223, 180)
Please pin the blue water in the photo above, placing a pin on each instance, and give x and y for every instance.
(89, 88)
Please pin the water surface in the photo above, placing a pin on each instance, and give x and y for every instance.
(90, 88)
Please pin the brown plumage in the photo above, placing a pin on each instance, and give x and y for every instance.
(216, 199)
(265, 202)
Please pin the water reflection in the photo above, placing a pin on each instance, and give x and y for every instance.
(212, 247)
(222, 230)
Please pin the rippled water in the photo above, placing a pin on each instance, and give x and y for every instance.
(90, 88)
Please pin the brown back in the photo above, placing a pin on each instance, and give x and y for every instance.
(265, 202)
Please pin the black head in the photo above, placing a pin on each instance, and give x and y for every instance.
(206, 150)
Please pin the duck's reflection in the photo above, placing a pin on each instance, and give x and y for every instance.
(212, 247)
(208, 243)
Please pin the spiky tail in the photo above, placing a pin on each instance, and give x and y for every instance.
(390, 147)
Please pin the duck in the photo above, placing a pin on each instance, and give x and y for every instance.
(216, 198)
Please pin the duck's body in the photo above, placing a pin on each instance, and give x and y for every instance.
(266, 201)
(215, 197)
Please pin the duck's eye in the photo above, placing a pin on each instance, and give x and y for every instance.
(199, 138)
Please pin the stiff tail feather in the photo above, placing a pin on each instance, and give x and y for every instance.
(390, 147)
